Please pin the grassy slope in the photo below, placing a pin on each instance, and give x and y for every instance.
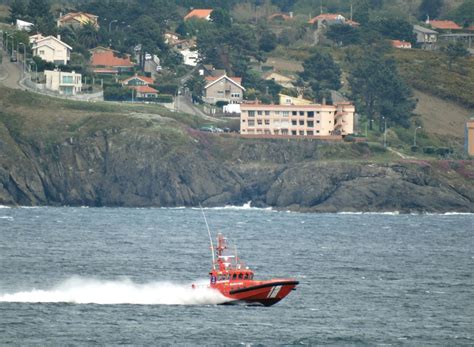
(428, 72)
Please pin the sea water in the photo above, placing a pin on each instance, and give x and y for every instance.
(123, 276)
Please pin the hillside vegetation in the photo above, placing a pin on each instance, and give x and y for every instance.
(429, 72)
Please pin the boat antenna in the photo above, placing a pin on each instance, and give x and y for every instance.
(209, 233)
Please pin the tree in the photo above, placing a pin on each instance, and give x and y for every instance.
(267, 41)
(454, 51)
(221, 18)
(196, 85)
(361, 12)
(321, 67)
(343, 34)
(88, 35)
(464, 13)
(430, 8)
(379, 90)
(17, 10)
(394, 28)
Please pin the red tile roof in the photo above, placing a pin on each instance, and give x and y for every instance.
(352, 23)
(282, 16)
(145, 89)
(198, 13)
(444, 25)
(147, 80)
(325, 16)
(105, 71)
(400, 44)
(109, 58)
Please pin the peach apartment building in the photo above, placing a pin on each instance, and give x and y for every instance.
(297, 120)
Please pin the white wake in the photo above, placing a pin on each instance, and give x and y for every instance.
(80, 290)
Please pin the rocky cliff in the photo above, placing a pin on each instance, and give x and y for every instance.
(68, 155)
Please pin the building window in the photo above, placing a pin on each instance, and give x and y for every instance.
(293, 132)
(235, 95)
(301, 113)
(259, 113)
(251, 113)
(301, 122)
(317, 131)
(310, 124)
(329, 122)
(277, 113)
(301, 132)
(317, 121)
(251, 123)
(286, 113)
(259, 121)
(267, 113)
(41, 52)
(310, 114)
(67, 79)
(267, 122)
(220, 92)
(243, 120)
(310, 133)
(293, 122)
(294, 113)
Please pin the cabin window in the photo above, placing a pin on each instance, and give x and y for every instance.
(234, 276)
(246, 276)
(240, 276)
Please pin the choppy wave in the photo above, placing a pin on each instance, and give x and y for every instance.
(247, 206)
(3, 206)
(80, 290)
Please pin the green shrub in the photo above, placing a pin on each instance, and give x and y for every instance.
(414, 148)
(443, 151)
(429, 150)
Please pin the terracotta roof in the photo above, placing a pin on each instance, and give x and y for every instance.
(145, 79)
(144, 89)
(326, 16)
(211, 80)
(108, 58)
(199, 13)
(400, 44)
(444, 25)
(280, 15)
(105, 71)
(352, 23)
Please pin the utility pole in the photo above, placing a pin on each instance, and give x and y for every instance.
(351, 11)
(321, 7)
(414, 137)
(385, 132)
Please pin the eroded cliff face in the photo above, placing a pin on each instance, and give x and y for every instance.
(145, 167)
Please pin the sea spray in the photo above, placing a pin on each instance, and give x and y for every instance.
(81, 290)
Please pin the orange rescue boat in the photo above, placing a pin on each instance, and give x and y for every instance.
(236, 281)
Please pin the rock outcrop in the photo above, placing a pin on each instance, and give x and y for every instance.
(156, 166)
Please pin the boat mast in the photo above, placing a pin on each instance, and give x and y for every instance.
(210, 237)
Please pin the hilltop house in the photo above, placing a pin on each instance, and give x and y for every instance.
(204, 14)
(23, 25)
(78, 19)
(328, 19)
(108, 61)
(141, 87)
(297, 120)
(190, 57)
(223, 88)
(66, 83)
(278, 78)
(425, 37)
(400, 44)
(51, 49)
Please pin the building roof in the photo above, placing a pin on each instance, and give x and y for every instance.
(81, 17)
(105, 71)
(352, 23)
(235, 80)
(109, 58)
(254, 106)
(470, 28)
(327, 17)
(199, 13)
(444, 25)
(43, 41)
(145, 79)
(144, 89)
(283, 16)
(423, 29)
(400, 43)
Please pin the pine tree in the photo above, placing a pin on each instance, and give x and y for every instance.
(17, 10)
(430, 8)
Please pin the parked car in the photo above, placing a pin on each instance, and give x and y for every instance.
(207, 129)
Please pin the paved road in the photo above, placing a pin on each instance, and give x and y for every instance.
(10, 73)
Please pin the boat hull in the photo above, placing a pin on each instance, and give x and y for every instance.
(264, 293)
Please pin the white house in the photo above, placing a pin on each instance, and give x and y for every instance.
(52, 49)
(66, 83)
(190, 57)
(23, 25)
